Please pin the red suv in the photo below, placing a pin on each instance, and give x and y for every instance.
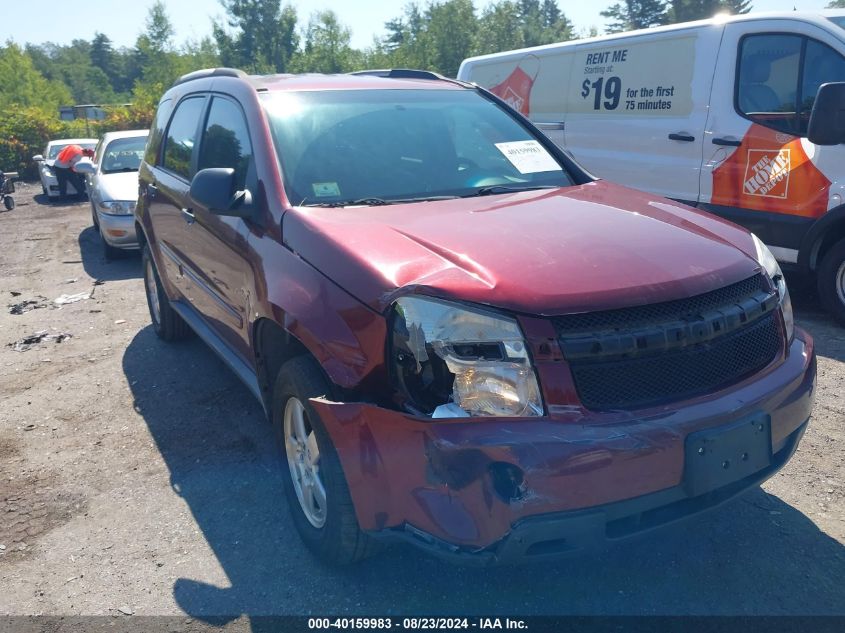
(463, 340)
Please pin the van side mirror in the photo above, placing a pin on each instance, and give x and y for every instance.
(214, 189)
(827, 120)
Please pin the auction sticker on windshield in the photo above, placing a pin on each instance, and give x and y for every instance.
(529, 157)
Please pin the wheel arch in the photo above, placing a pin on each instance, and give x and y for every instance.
(825, 232)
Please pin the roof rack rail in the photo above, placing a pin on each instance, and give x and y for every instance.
(211, 72)
(401, 73)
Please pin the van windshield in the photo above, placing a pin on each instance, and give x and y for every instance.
(838, 20)
(344, 147)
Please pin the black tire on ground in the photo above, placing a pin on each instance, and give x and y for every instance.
(340, 540)
(831, 281)
(168, 325)
(9, 203)
(110, 252)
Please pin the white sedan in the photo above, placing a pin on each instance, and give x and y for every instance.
(49, 184)
(112, 180)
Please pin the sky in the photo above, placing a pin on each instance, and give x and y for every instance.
(60, 22)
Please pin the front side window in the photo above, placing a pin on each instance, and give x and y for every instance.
(225, 140)
(769, 70)
(181, 136)
(378, 146)
(779, 76)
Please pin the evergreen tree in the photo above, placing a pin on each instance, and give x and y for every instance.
(635, 14)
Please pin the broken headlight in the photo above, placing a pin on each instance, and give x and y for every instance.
(451, 360)
(772, 268)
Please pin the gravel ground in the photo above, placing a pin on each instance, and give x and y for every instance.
(140, 477)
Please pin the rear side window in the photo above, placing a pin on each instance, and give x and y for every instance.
(165, 107)
(779, 76)
(181, 137)
(225, 140)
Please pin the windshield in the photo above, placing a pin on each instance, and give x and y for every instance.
(372, 146)
(123, 154)
(838, 20)
(54, 150)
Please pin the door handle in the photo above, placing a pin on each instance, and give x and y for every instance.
(680, 136)
(729, 142)
(188, 216)
(152, 190)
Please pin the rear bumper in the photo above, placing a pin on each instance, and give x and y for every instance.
(499, 490)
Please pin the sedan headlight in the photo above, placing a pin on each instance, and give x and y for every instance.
(451, 360)
(772, 268)
(48, 171)
(117, 207)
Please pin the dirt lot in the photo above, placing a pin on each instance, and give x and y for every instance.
(140, 477)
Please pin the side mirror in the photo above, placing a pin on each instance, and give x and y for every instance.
(214, 189)
(38, 158)
(827, 119)
(85, 166)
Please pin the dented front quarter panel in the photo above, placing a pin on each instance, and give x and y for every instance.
(435, 475)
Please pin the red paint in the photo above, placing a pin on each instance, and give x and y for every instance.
(590, 247)
(571, 461)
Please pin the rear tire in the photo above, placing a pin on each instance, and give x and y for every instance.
(831, 281)
(168, 325)
(331, 532)
(9, 203)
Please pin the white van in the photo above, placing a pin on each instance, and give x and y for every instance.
(712, 113)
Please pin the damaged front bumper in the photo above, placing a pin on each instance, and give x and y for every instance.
(490, 490)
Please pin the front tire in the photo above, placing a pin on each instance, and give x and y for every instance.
(168, 325)
(315, 486)
(9, 203)
(831, 281)
(110, 252)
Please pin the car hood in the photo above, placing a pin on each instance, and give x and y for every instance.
(589, 247)
(119, 186)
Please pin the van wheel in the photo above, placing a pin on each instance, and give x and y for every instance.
(168, 325)
(315, 486)
(831, 281)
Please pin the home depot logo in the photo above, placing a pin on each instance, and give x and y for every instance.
(767, 173)
(513, 99)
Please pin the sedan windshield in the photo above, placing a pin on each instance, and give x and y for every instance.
(379, 146)
(123, 154)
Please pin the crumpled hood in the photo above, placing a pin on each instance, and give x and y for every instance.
(591, 247)
(118, 186)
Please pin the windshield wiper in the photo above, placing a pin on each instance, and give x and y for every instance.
(494, 189)
(375, 202)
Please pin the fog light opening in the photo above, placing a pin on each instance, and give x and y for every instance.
(507, 481)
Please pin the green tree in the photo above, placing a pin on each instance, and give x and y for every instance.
(737, 7)
(24, 86)
(450, 34)
(326, 46)
(836, 4)
(264, 37)
(634, 14)
(499, 29)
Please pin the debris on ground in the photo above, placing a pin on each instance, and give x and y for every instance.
(72, 280)
(29, 304)
(28, 342)
(120, 322)
(65, 299)
(14, 293)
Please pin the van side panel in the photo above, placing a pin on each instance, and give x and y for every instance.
(533, 81)
(637, 106)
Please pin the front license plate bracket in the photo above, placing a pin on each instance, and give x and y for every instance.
(716, 457)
